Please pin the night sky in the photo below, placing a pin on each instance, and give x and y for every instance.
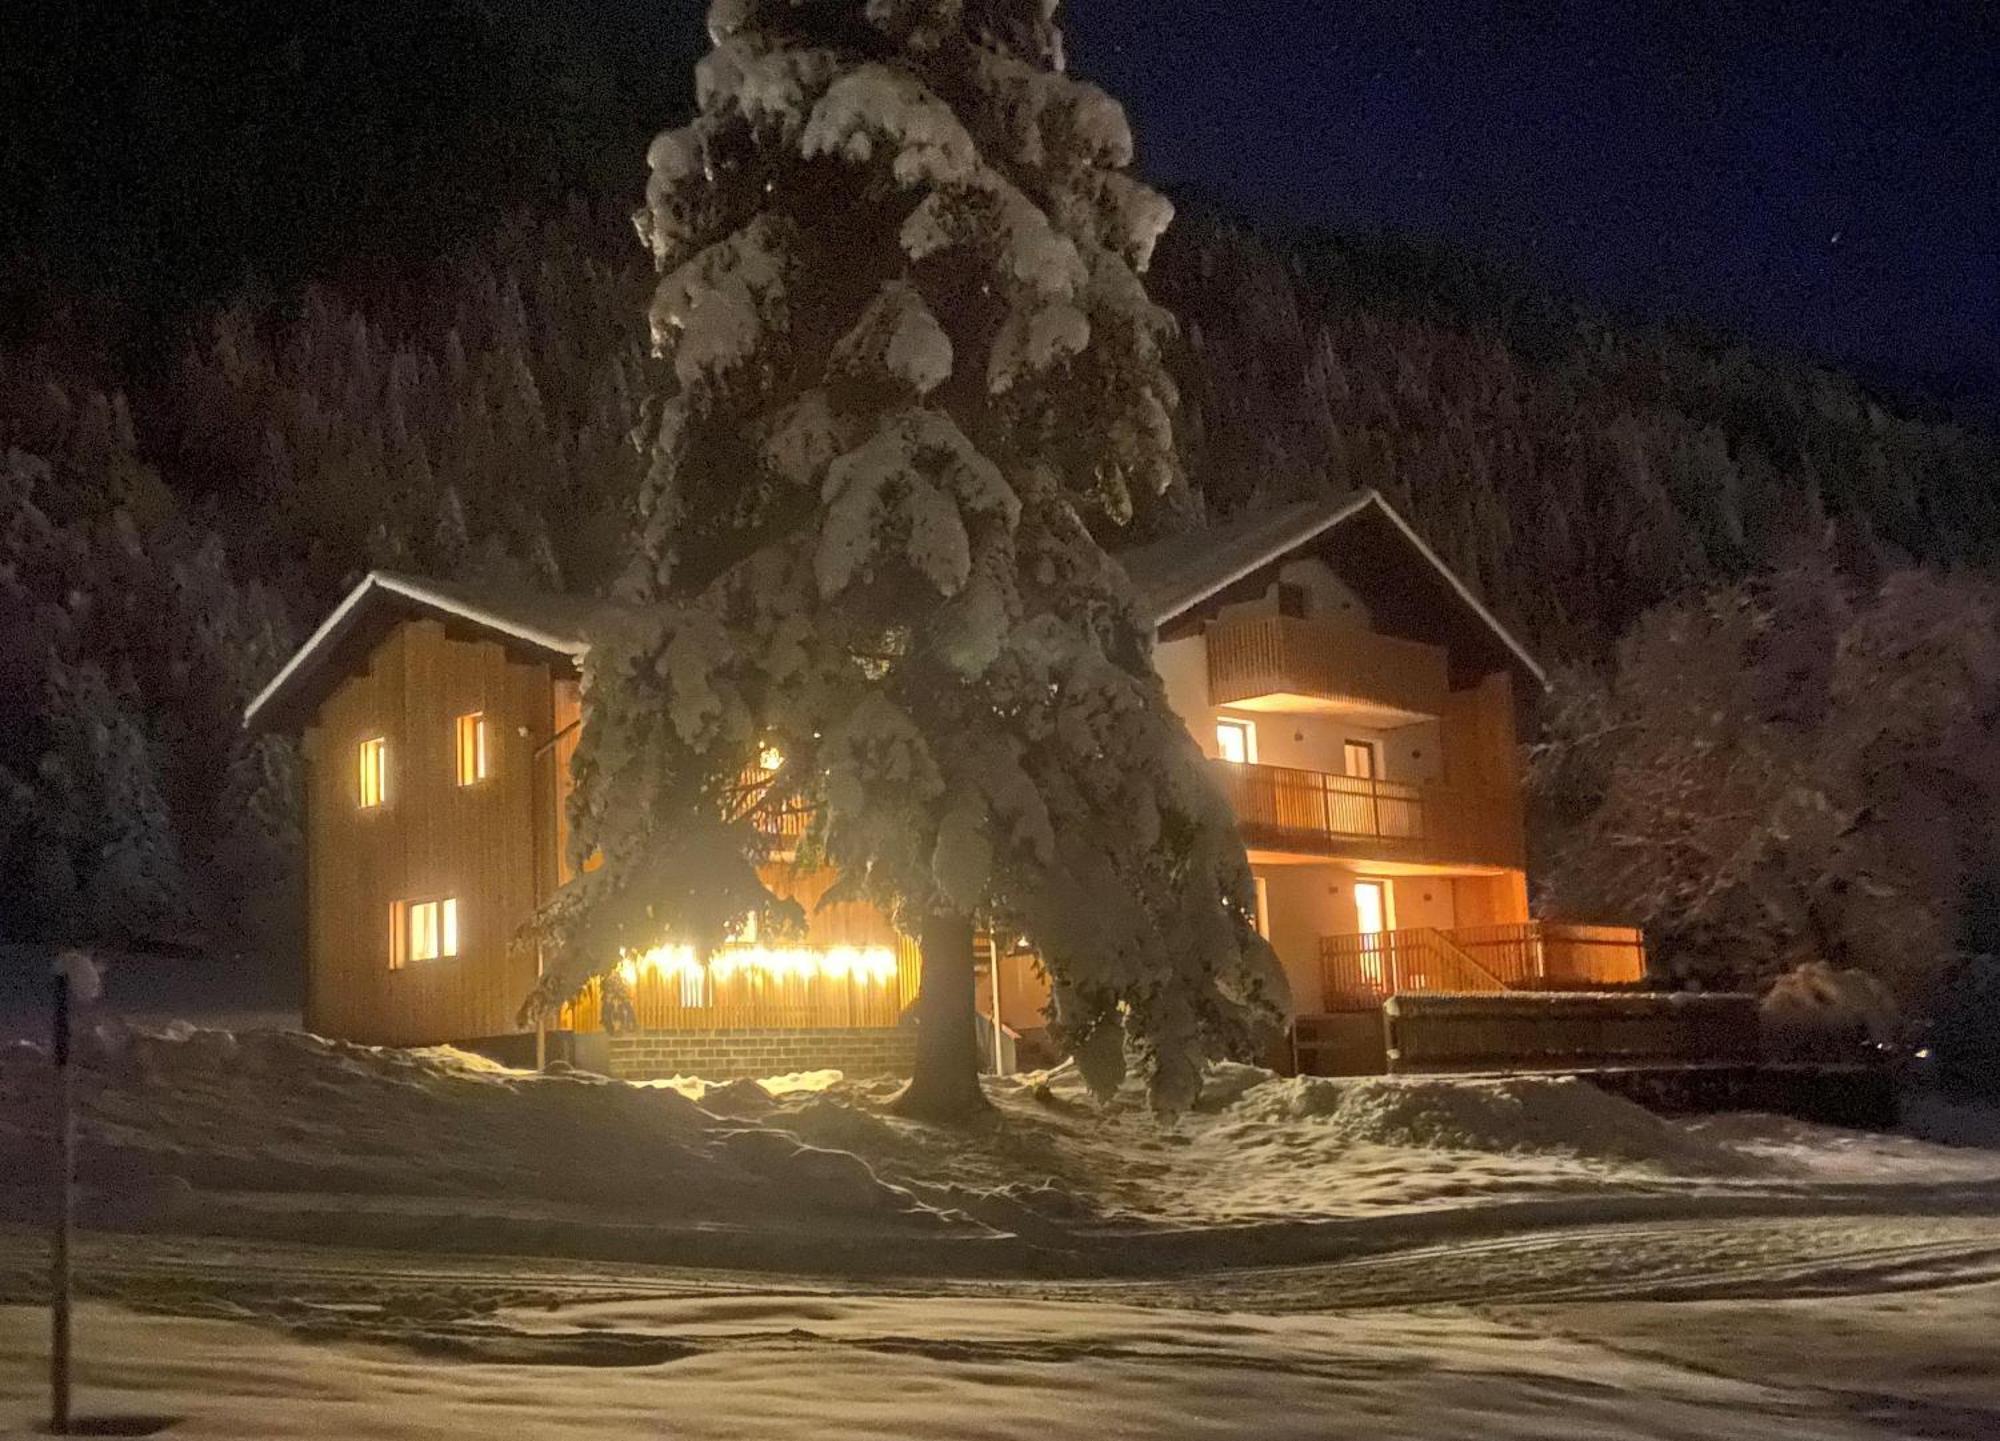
(1826, 176)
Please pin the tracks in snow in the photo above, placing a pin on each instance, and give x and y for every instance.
(1738, 1258)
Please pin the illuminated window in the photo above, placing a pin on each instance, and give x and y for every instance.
(471, 748)
(1236, 740)
(374, 772)
(1263, 916)
(1361, 761)
(423, 931)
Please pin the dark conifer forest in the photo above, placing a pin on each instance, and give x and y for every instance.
(376, 302)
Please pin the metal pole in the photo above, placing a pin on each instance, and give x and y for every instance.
(999, 1030)
(59, 1281)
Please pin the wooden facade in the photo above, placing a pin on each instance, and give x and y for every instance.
(393, 822)
(482, 845)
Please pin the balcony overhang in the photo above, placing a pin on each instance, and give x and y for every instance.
(1372, 714)
(1284, 663)
(1355, 858)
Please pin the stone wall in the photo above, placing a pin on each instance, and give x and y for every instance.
(727, 1055)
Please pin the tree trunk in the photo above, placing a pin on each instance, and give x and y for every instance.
(945, 1083)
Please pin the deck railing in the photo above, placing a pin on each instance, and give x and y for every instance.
(1556, 955)
(1369, 969)
(1278, 801)
(1287, 809)
(1285, 655)
(1534, 955)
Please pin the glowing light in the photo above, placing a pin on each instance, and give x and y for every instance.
(681, 967)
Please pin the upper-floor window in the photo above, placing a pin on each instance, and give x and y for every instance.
(1362, 760)
(1236, 740)
(423, 931)
(373, 771)
(472, 759)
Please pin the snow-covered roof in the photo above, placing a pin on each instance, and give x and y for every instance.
(536, 621)
(1175, 575)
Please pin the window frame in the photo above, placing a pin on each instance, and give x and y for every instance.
(371, 773)
(1373, 750)
(470, 742)
(446, 936)
(1245, 728)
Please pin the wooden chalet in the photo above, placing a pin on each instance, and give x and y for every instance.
(1359, 705)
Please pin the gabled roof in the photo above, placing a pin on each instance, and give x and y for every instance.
(1360, 532)
(536, 622)
(1176, 575)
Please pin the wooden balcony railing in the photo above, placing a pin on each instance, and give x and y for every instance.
(1286, 809)
(1531, 956)
(1553, 955)
(1283, 655)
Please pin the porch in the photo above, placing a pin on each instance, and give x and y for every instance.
(1363, 971)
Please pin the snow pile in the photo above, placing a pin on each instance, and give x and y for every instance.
(171, 1121)
(1517, 1114)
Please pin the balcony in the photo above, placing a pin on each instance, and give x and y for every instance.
(1279, 808)
(1531, 956)
(1275, 662)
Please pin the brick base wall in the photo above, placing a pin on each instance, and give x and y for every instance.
(728, 1055)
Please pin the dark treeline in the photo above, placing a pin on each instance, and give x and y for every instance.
(286, 332)
(1578, 469)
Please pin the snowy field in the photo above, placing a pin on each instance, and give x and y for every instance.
(772, 1369)
(291, 1237)
(282, 1136)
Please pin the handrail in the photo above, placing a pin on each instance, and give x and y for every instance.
(1285, 800)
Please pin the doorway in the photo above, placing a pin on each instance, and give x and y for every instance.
(1374, 919)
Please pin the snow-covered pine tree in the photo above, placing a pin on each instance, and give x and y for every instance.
(918, 376)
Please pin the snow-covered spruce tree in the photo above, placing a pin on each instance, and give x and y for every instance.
(918, 375)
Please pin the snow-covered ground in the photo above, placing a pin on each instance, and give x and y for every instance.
(774, 1367)
(287, 1136)
(1435, 1258)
